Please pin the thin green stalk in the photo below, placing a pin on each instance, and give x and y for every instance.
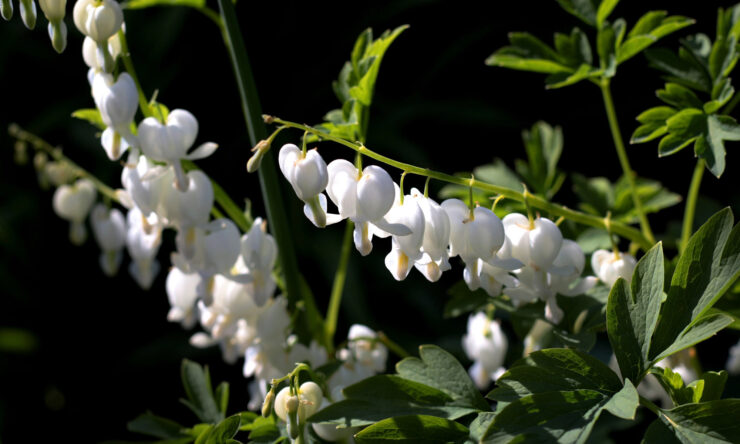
(40, 144)
(688, 215)
(392, 346)
(337, 288)
(650, 405)
(731, 106)
(126, 57)
(267, 171)
(623, 159)
(535, 201)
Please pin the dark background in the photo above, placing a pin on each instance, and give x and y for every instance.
(96, 352)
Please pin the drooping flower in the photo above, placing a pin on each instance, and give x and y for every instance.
(405, 250)
(109, 230)
(143, 238)
(257, 259)
(145, 184)
(170, 142)
(435, 255)
(189, 208)
(365, 198)
(117, 102)
(28, 13)
(536, 243)
(307, 174)
(181, 292)
(73, 203)
(476, 234)
(610, 266)
(90, 54)
(486, 345)
(54, 10)
(99, 20)
(365, 349)
(309, 401)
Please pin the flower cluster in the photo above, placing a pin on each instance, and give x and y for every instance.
(524, 257)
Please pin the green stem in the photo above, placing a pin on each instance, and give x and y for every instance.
(126, 57)
(731, 106)
(535, 201)
(337, 288)
(56, 153)
(650, 405)
(688, 215)
(623, 159)
(267, 171)
(392, 346)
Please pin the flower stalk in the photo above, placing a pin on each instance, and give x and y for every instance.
(618, 228)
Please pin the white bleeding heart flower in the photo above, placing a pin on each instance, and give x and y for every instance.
(486, 345)
(365, 198)
(99, 20)
(405, 250)
(310, 397)
(257, 259)
(492, 279)
(73, 203)
(308, 175)
(109, 230)
(477, 234)
(567, 268)
(435, 257)
(146, 184)
(170, 142)
(272, 324)
(610, 266)
(536, 244)
(182, 294)
(117, 102)
(366, 349)
(209, 249)
(90, 54)
(189, 208)
(143, 239)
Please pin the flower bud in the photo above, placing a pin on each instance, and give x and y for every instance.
(54, 11)
(20, 150)
(99, 20)
(269, 402)
(109, 230)
(73, 202)
(255, 161)
(535, 243)
(28, 13)
(58, 35)
(6, 9)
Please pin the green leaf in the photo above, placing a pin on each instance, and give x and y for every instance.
(565, 417)
(647, 132)
(650, 28)
(574, 48)
(596, 194)
(632, 314)
(561, 79)
(685, 70)
(657, 114)
(552, 370)
(225, 430)
(704, 328)
(528, 53)
(480, 424)
(719, 129)
(197, 385)
(625, 402)
(152, 425)
(585, 10)
(141, 4)
(712, 422)
(708, 266)
(606, 44)
(592, 239)
(439, 369)
(414, 429)
(383, 396)
(714, 385)
(679, 96)
(90, 115)
(605, 8)
(674, 386)
(544, 145)
(222, 397)
(263, 430)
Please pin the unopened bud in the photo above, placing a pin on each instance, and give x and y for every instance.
(21, 152)
(6, 9)
(40, 160)
(259, 152)
(294, 430)
(268, 403)
(291, 405)
(58, 35)
(28, 13)
(267, 118)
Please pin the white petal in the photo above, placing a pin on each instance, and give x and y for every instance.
(202, 151)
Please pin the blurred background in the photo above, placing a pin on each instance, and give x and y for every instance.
(81, 354)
